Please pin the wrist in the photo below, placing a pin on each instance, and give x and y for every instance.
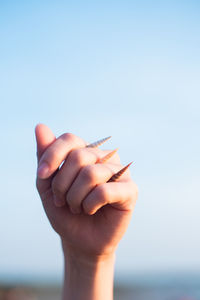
(87, 259)
(88, 275)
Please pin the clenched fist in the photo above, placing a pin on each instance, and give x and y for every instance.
(89, 213)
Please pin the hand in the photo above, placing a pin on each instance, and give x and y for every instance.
(89, 214)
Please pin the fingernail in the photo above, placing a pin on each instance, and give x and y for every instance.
(43, 170)
(58, 202)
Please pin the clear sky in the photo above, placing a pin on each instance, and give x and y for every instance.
(130, 69)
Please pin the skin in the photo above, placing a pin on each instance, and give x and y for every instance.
(90, 215)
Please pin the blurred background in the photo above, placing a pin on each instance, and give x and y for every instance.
(130, 69)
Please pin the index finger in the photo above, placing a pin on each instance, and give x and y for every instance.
(57, 152)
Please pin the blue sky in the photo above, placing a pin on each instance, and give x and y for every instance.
(130, 69)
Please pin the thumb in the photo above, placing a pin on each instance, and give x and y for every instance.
(44, 138)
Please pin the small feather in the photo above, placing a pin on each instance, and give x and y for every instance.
(119, 174)
(98, 143)
(106, 157)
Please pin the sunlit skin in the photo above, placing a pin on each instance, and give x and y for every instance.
(90, 214)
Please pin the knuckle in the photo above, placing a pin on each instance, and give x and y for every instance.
(68, 137)
(102, 193)
(89, 174)
(77, 156)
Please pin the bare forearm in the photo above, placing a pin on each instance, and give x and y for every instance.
(88, 279)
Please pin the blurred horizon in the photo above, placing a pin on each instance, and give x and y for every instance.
(126, 279)
(130, 69)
